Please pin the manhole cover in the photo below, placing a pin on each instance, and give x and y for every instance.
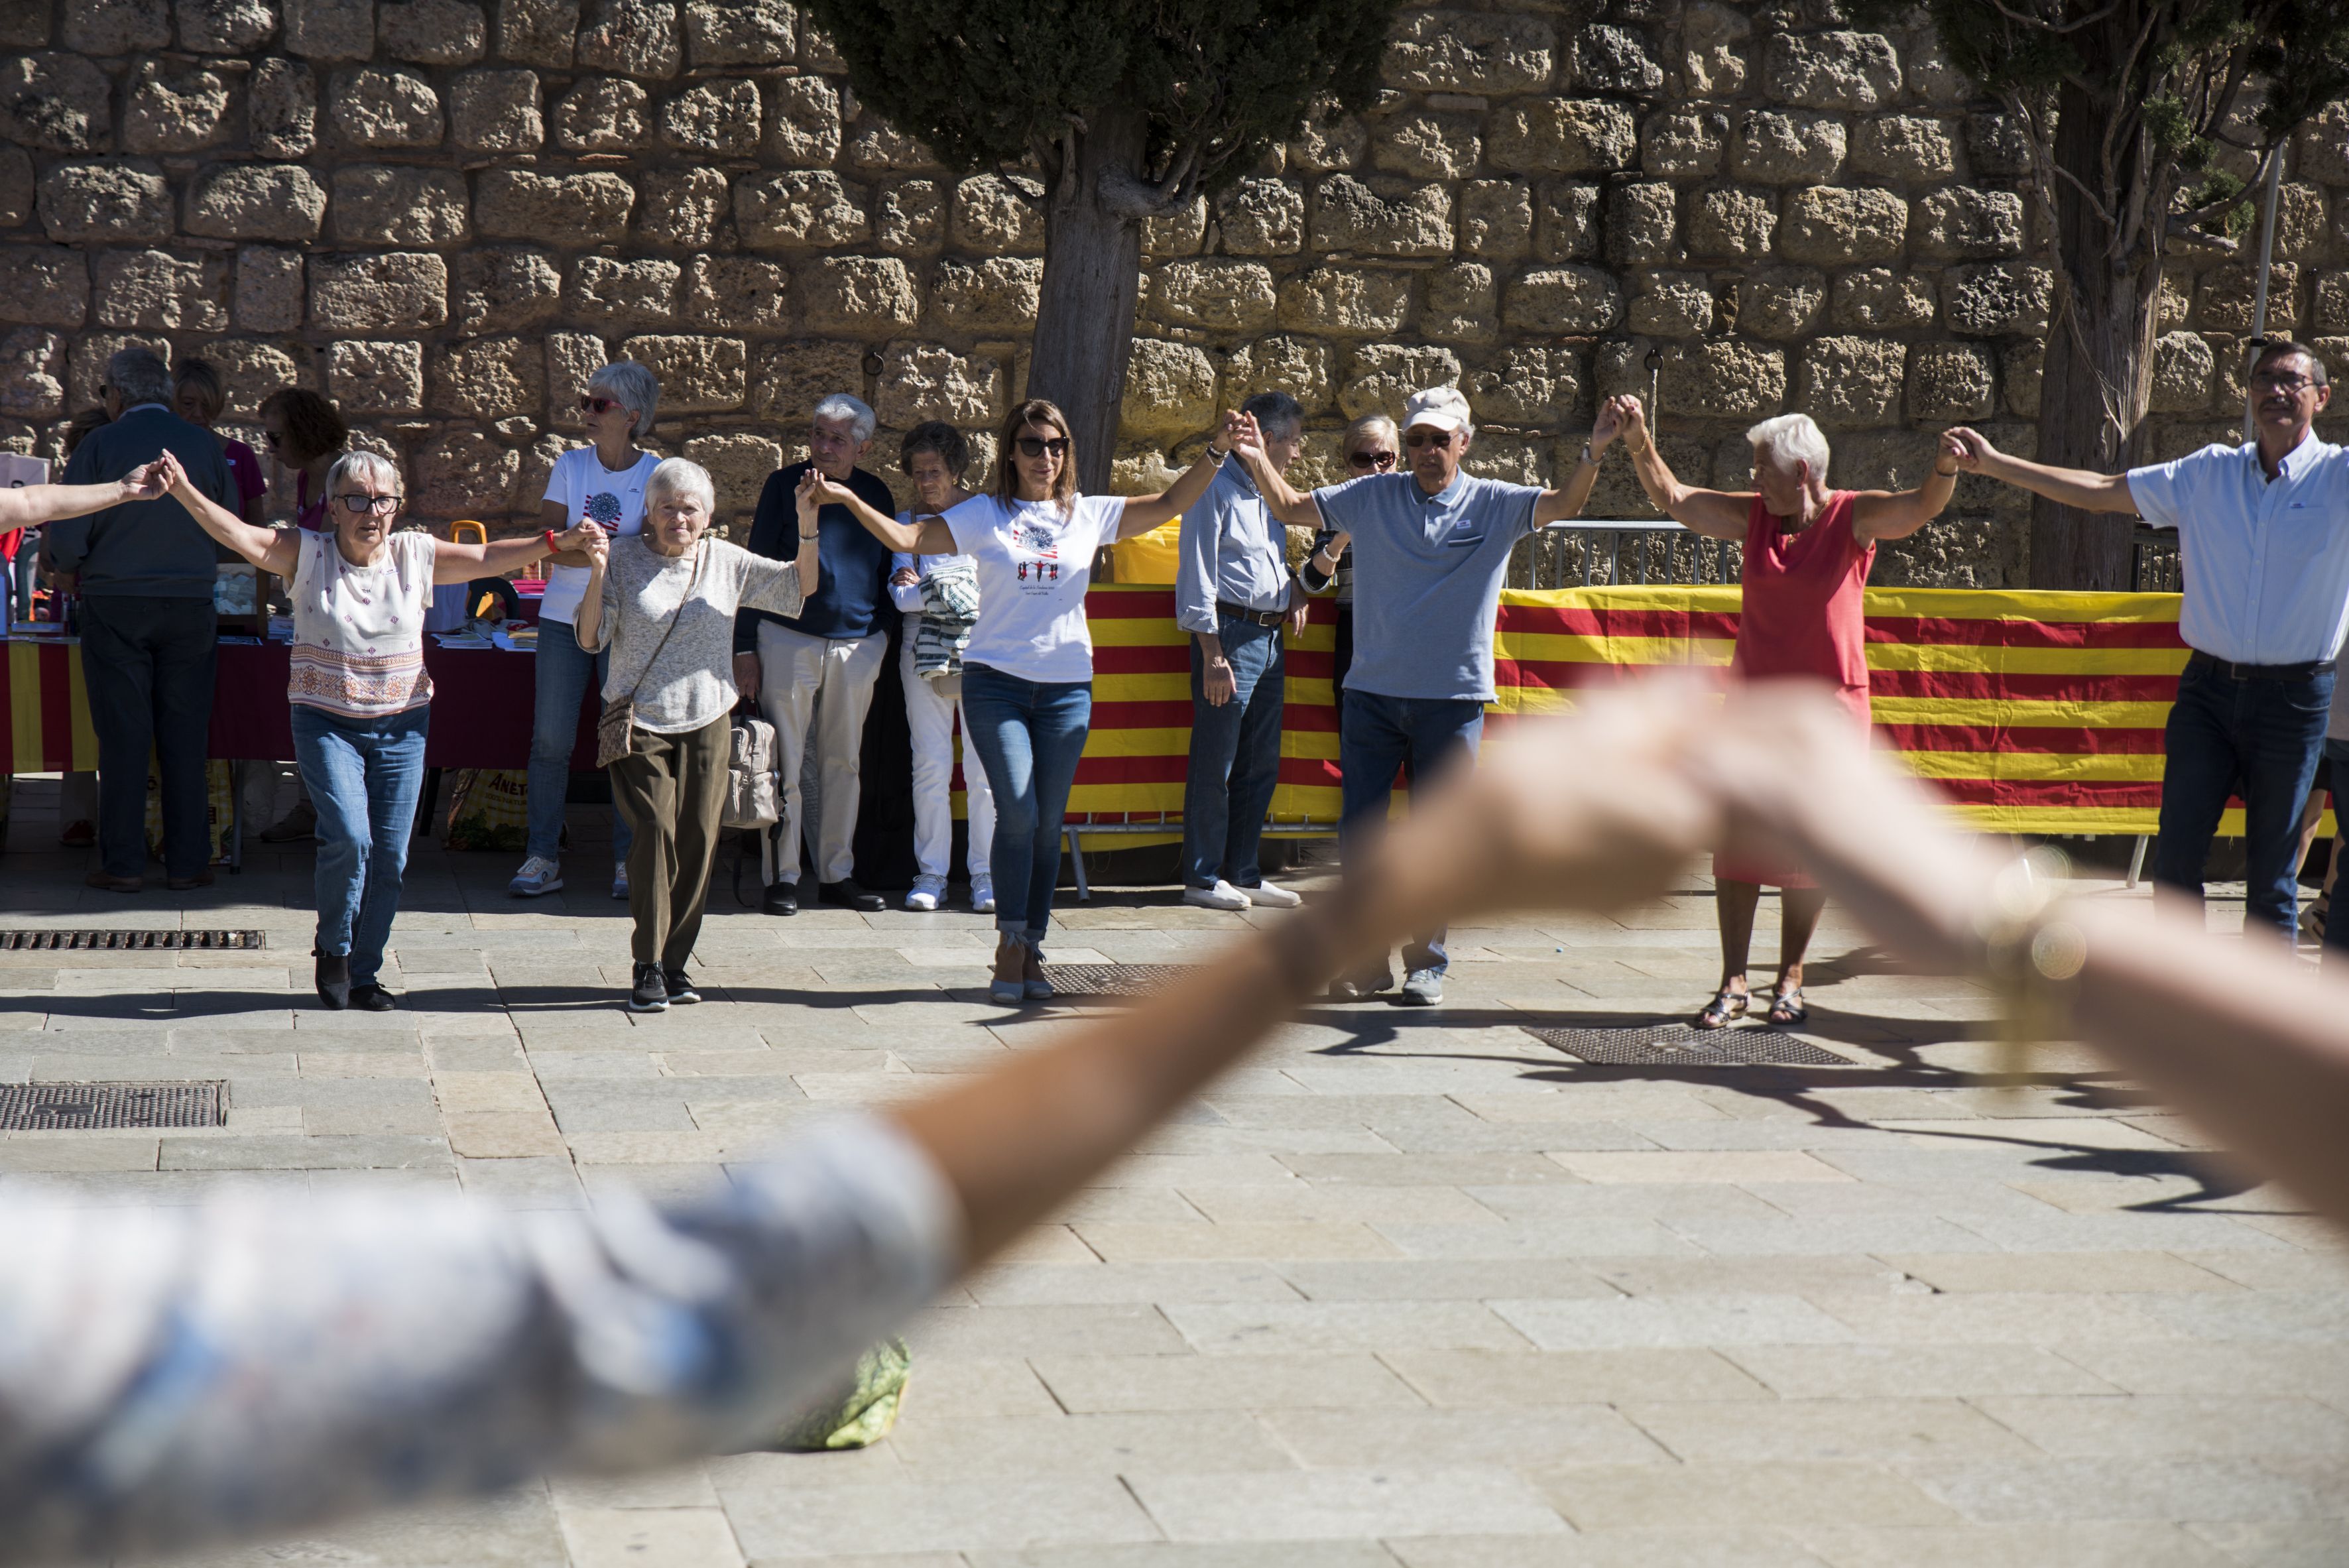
(126, 941)
(62, 1107)
(1114, 979)
(1682, 1044)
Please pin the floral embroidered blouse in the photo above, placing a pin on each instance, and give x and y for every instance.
(358, 631)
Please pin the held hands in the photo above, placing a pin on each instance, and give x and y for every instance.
(1608, 425)
(817, 491)
(1968, 449)
(583, 535)
(1239, 434)
(1631, 422)
(152, 481)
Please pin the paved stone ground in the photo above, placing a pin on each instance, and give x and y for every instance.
(1411, 1290)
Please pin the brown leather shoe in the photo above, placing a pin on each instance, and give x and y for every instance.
(79, 834)
(182, 884)
(113, 883)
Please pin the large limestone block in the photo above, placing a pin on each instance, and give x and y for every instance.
(32, 363)
(44, 285)
(1327, 146)
(1684, 144)
(381, 204)
(1530, 385)
(1170, 390)
(864, 296)
(1642, 224)
(805, 130)
(684, 208)
(602, 114)
(1852, 381)
(281, 108)
(698, 374)
(1217, 294)
(1952, 381)
(1385, 218)
(490, 379)
(56, 103)
(1672, 304)
(505, 290)
(117, 26)
(930, 381)
(572, 360)
(1610, 60)
(1836, 226)
(1840, 70)
(738, 463)
(589, 208)
(801, 208)
(270, 291)
(226, 26)
(174, 110)
(374, 107)
(790, 378)
(1381, 376)
(1735, 225)
(719, 117)
(432, 32)
(1563, 136)
(1780, 302)
(465, 474)
(737, 294)
(158, 290)
(1469, 52)
(1882, 299)
(1496, 220)
(375, 377)
(402, 291)
(251, 371)
(632, 37)
(2184, 368)
(2001, 299)
(1566, 301)
(16, 187)
(1463, 301)
(996, 294)
(1427, 145)
(2323, 151)
(539, 32)
(1262, 218)
(1959, 223)
(256, 202)
(1908, 147)
(86, 365)
(740, 32)
(329, 29)
(1345, 302)
(1775, 148)
(1300, 367)
(910, 218)
(113, 200)
(607, 292)
(993, 216)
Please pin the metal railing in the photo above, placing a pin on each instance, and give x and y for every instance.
(2154, 565)
(1591, 552)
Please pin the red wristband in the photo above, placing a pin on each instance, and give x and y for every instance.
(552, 548)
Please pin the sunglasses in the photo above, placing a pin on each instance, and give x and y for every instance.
(1038, 446)
(598, 405)
(1439, 439)
(2291, 385)
(359, 505)
(1368, 461)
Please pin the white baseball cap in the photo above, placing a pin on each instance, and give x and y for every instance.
(1437, 407)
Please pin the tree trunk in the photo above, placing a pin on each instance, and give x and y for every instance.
(1093, 270)
(2099, 363)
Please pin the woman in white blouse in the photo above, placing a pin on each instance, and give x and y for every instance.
(361, 698)
(1026, 683)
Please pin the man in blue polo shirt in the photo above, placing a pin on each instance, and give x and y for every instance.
(2263, 535)
(1430, 548)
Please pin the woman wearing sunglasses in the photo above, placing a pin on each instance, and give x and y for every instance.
(359, 691)
(305, 433)
(603, 483)
(1026, 686)
(1371, 446)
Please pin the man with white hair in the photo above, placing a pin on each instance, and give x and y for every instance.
(1431, 547)
(818, 667)
(145, 571)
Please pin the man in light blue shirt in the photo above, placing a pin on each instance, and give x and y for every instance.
(1233, 593)
(1430, 548)
(2263, 538)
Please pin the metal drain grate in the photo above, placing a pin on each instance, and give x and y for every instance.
(127, 940)
(1680, 1044)
(1114, 979)
(66, 1107)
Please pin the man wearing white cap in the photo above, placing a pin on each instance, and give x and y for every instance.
(1431, 547)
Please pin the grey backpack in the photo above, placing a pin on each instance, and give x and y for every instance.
(751, 797)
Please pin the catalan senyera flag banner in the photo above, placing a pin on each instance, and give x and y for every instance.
(2032, 712)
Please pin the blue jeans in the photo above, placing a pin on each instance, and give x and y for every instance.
(2263, 736)
(1235, 757)
(364, 775)
(567, 675)
(1377, 736)
(1030, 735)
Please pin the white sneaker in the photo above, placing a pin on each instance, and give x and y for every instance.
(1223, 895)
(925, 891)
(538, 876)
(1267, 895)
(982, 895)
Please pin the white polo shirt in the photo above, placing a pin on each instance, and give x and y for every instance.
(2266, 561)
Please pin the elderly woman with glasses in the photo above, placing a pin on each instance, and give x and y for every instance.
(360, 694)
(1807, 550)
(662, 602)
(602, 483)
(1372, 445)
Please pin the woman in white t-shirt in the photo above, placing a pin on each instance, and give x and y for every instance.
(1027, 682)
(602, 483)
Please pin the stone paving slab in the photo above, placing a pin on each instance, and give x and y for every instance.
(1409, 1290)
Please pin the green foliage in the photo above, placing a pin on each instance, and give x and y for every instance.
(985, 81)
(2234, 221)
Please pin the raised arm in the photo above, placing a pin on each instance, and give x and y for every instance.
(922, 536)
(2067, 487)
(1293, 508)
(273, 550)
(1716, 514)
(1897, 515)
(1568, 501)
(1145, 512)
(30, 506)
(591, 622)
(455, 562)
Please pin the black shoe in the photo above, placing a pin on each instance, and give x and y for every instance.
(848, 895)
(373, 998)
(334, 980)
(783, 898)
(1357, 987)
(680, 986)
(650, 992)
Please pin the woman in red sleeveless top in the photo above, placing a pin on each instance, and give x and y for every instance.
(1807, 551)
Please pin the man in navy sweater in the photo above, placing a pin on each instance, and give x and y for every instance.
(818, 668)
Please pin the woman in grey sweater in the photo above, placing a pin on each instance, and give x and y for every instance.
(663, 600)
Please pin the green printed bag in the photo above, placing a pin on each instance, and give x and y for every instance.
(860, 1414)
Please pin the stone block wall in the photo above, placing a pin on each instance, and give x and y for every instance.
(445, 213)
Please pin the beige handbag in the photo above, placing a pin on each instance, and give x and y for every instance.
(613, 725)
(751, 797)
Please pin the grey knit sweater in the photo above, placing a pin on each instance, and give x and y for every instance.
(691, 684)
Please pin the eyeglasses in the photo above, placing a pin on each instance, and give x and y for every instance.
(1037, 446)
(1368, 461)
(598, 405)
(2291, 385)
(359, 504)
(1439, 439)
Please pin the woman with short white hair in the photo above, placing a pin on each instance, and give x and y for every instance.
(663, 602)
(603, 483)
(1807, 550)
(361, 697)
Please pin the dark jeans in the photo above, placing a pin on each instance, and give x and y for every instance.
(1235, 757)
(2262, 736)
(2336, 756)
(364, 775)
(1378, 736)
(670, 789)
(148, 662)
(1030, 736)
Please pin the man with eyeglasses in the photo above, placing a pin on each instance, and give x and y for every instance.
(145, 571)
(2263, 535)
(818, 668)
(1431, 547)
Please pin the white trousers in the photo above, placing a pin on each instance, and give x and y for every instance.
(930, 714)
(824, 684)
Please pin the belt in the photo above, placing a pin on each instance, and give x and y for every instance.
(2235, 672)
(1253, 617)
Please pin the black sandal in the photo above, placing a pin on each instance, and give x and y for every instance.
(1786, 1009)
(1719, 1012)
